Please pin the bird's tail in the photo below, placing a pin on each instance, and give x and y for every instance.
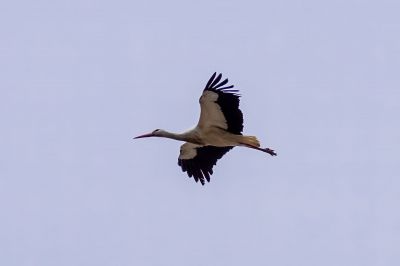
(250, 140)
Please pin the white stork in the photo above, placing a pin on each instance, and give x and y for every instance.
(219, 130)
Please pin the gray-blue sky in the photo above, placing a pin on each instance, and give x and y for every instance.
(320, 84)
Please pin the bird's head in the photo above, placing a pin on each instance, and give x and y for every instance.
(155, 133)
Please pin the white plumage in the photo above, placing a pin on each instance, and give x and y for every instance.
(210, 114)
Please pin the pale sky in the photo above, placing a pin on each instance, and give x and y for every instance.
(319, 82)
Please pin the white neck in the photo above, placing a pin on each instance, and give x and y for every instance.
(171, 135)
(189, 136)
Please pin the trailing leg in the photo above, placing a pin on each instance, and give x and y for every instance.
(267, 150)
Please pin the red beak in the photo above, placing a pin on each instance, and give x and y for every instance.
(144, 136)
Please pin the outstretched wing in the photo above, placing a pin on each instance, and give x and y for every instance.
(220, 106)
(198, 160)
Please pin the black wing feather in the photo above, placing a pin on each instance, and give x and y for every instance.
(200, 167)
(211, 79)
(228, 100)
(221, 84)
(216, 80)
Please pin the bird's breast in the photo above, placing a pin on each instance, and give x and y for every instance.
(218, 137)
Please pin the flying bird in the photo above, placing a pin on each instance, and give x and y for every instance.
(219, 130)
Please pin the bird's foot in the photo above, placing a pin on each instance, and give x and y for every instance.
(270, 151)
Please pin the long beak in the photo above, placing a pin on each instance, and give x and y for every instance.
(144, 136)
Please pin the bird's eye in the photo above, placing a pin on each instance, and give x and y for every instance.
(156, 130)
